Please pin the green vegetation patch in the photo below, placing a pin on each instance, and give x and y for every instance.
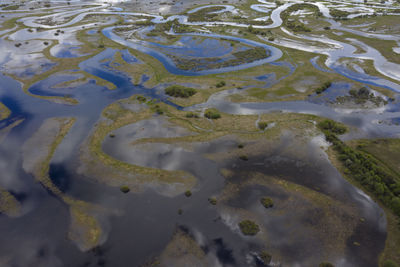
(267, 202)
(180, 91)
(212, 200)
(125, 189)
(212, 113)
(332, 127)
(248, 227)
(323, 87)
(362, 96)
(262, 125)
(365, 169)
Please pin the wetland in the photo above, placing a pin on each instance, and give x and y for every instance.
(200, 133)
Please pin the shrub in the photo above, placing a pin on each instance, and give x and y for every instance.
(212, 200)
(244, 157)
(212, 113)
(326, 264)
(188, 193)
(180, 91)
(112, 135)
(267, 202)
(262, 125)
(220, 84)
(332, 126)
(124, 189)
(248, 227)
(240, 145)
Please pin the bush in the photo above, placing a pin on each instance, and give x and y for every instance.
(240, 145)
(326, 264)
(188, 193)
(180, 91)
(212, 200)
(244, 157)
(124, 189)
(248, 227)
(332, 126)
(212, 113)
(262, 125)
(220, 84)
(267, 202)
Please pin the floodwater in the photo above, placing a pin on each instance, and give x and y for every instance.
(138, 226)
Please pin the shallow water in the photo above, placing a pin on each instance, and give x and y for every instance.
(138, 226)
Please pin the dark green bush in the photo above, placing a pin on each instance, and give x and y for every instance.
(212, 200)
(244, 157)
(124, 189)
(188, 193)
(180, 91)
(267, 202)
(326, 264)
(212, 113)
(248, 227)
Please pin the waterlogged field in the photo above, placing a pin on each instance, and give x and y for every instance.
(196, 133)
